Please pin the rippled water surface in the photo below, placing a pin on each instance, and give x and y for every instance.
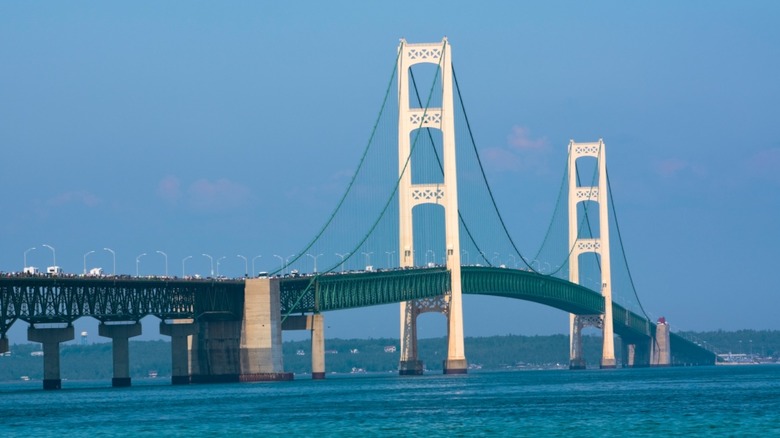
(701, 401)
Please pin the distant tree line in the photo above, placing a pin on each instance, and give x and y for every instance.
(94, 361)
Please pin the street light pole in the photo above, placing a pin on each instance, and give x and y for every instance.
(25, 256)
(281, 263)
(182, 265)
(314, 257)
(426, 257)
(368, 257)
(287, 262)
(137, 261)
(342, 260)
(389, 254)
(246, 265)
(85, 261)
(53, 253)
(493, 260)
(113, 255)
(219, 260)
(211, 259)
(166, 261)
(253, 264)
(467, 256)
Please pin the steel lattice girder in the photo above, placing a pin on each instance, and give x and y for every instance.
(57, 299)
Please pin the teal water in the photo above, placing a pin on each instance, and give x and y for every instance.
(700, 401)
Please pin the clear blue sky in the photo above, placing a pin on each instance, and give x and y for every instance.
(201, 127)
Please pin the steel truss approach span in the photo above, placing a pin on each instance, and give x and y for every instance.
(38, 300)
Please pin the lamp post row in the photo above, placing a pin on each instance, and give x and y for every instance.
(284, 261)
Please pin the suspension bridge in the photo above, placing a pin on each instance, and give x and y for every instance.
(415, 192)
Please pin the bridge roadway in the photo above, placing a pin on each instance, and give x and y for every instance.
(42, 299)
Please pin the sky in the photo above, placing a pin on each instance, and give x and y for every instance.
(200, 127)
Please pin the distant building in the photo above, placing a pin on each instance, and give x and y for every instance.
(390, 349)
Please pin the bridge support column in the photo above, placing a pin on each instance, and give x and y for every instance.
(636, 353)
(409, 364)
(318, 347)
(51, 338)
(576, 359)
(215, 352)
(3, 344)
(456, 361)
(260, 351)
(180, 331)
(661, 347)
(316, 325)
(120, 335)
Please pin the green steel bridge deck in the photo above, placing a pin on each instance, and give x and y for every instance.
(42, 299)
(344, 291)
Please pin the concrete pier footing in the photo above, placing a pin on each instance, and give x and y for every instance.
(3, 344)
(410, 368)
(120, 335)
(455, 366)
(608, 363)
(51, 339)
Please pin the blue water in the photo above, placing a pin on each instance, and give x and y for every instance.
(701, 401)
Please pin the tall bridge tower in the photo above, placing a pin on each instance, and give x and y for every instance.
(444, 194)
(599, 245)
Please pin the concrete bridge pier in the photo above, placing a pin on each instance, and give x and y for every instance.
(214, 352)
(636, 353)
(3, 344)
(662, 356)
(260, 353)
(409, 364)
(315, 324)
(51, 338)
(180, 331)
(318, 347)
(120, 335)
(576, 359)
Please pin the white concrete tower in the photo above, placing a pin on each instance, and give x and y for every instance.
(599, 245)
(444, 194)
